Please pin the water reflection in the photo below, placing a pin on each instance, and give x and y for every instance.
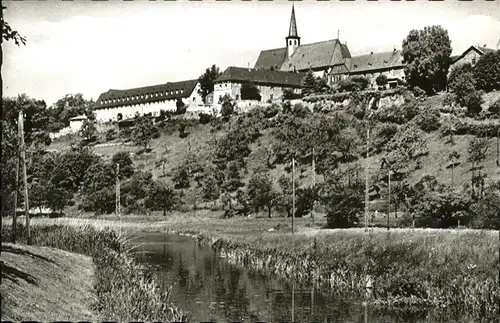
(210, 289)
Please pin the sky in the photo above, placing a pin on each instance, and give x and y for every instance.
(89, 47)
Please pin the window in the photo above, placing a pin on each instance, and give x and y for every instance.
(271, 97)
(194, 99)
(237, 97)
(473, 61)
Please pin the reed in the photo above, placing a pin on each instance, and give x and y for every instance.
(125, 290)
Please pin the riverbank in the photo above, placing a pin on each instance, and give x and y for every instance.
(122, 289)
(35, 284)
(421, 268)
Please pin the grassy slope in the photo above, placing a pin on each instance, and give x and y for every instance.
(45, 284)
(199, 135)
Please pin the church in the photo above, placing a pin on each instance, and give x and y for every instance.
(330, 59)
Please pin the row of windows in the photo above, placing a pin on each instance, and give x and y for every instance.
(142, 96)
(292, 42)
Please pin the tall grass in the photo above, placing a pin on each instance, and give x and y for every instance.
(125, 290)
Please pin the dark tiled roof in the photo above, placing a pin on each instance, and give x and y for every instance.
(376, 61)
(316, 55)
(147, 94)
(271, 58)
(261, 76)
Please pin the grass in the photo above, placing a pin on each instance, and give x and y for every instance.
(409, 268)
(124, 290)
(35, 284)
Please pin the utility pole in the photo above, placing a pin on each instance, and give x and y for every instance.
(293, 193)
(117, 207)
(314, 185)
(25, 178)
(366, 178)
(389, 202)
(16, 187)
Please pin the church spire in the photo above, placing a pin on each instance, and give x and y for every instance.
(293, 39)
(293, 24)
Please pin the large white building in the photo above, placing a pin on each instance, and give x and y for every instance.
(124, 104)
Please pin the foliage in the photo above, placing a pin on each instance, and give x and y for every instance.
(89, 130)
(71, 105)
(477, 150)
(161, 197)
(289, 94)
(205, 118)
(342, 194)
(312, 85)
(111, 134)
(260, 192)
(207, 80)
(487, 72)
(427, 119)
(143, 132)
(495, 108)
(210, 187)
(397, 114)
(227, 108)
(283, 199)
(383, 133)
(180, 106)
(405, 149)
(305, 200)
(487, 210)
(9, 34)
(250, 92)
(381, 80)
(426, 54)
(126, 164)
(462, 84)
(354, 83)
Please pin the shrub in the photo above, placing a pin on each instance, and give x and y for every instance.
(428, 119)
(418, 92)
(462, 83)
(487, 72)
(205, 118)
(495, 108)
(360, 82)
(111, 135)
(383, 133)
(381, 80)
(300, 111)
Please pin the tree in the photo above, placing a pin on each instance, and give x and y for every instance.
(260, 192)
(478, 147)
(143, 132)
(161, 197)
(426, 54)
(180, 106)
(283, 200)
(71, 105)
(487, 72)
(9, 34)
(250, 92)
(462, 84)
(227, 108)
(89, 130)
(453, 158)
(126, 164)
(309, 84)
(210, 188)
(381, 80)
(207, 80)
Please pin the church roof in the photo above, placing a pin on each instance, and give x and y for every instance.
(316, 55)
(293, 25)
(154, 93)
(261, 76)
(271, 58)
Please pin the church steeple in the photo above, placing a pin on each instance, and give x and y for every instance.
(293, 39)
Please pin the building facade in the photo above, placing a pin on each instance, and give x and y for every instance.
(270, 84)
(470, 55)
(124, 104)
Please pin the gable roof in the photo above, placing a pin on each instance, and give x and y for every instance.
(477, 49)
(316, 55)
(271, 58)
(376, 61)
(261, 76)
(154, 93)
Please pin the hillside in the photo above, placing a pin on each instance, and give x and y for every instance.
(35, 283)
(197, 143)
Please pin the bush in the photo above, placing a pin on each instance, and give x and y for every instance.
(383, 134)
(428, 119)
(495, 108)
(381, 80)
(462, 83)
(487, 72)
(418, 92)
(111, 135)
(205, 118)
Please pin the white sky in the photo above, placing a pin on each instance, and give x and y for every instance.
(90, 47)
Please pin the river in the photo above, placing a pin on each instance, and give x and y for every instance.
(209, 289)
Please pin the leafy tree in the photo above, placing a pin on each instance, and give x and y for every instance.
(232, 177)
(453, 158)
(260, 192)
(89, 130)
(126, 164)
(426, 54)
(250, 92)
(8, 160)
(136, 190)
(210, 188)
(289, 94)
(143, 132)
(207, 80)
(181, 177)
(161, 197)
(495, 108)
(343, 195)
(71, 105)
(478, 147)
(462, 83)
(227, 108)
(487, 210)
(180, 106)
(305, 200)
(99, 188)
(309, 84)
(284, 199)
(487, 72)
(9, 34)
(381, 80)
(428, 119)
